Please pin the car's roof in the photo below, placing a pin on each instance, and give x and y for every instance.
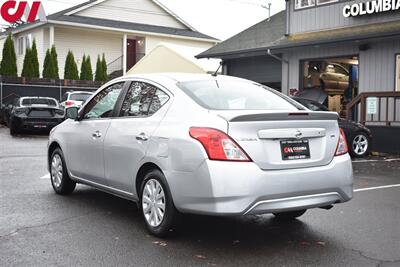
(80, 92)
(37, 97)
(180, 77)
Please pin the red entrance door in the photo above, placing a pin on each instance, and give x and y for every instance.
(131, 53)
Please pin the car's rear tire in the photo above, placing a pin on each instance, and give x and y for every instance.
(60, 180)
(360, 145)
(290, 215)
(156, 204)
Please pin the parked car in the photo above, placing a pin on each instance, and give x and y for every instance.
(34, 114)
(2, 109)
(201, 144)
(75, 99)
(335, 76)
(358, 136)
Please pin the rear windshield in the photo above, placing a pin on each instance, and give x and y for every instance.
(79, 97)
(39, 101)
(236, 95)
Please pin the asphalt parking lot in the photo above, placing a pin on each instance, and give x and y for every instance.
(91, 228)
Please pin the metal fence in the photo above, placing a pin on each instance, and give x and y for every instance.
(10, 90)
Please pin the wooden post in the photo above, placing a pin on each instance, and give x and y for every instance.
(363, 110)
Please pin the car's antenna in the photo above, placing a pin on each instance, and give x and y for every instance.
(216, 72)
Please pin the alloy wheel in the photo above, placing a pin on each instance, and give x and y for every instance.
(56, 170)
(360, 144)
(153, 203)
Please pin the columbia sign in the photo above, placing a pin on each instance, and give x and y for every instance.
(370, 7)
(13, 11)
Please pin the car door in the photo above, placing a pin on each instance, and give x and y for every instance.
(86, 136)
(342, 77)
(130, 135)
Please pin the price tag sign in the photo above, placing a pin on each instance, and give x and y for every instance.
(372, 105)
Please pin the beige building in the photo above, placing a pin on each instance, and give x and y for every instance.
(124, 30)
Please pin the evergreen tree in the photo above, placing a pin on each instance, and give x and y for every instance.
(71, 69)
(46, 64)
(8, 66)
(99, 70)
(35, 60)
(83, 69)
(89, 69)
(55, 61)
(104, 63)
(27, 69)
(49, 69)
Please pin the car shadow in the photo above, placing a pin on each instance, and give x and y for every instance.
(209, 232)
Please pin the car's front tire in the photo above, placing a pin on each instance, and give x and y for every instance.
(290, 215)
(14, 129)
(360, 145)
(60, 180)
(158, 209)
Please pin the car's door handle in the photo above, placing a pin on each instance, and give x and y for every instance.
(142, 137)
(96, 135)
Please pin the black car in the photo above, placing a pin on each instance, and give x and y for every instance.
(358, 136)
(33, 114)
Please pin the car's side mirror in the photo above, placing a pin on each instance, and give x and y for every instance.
(9, 106)
(72, 113)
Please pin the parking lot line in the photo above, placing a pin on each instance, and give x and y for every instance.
(45, 177)
(375, 160)
(377, 187)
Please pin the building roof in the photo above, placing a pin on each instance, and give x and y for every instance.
(270, 34)
(68, 16)
(261, 35)
(355, 33)
(166, 57)
(129, 26)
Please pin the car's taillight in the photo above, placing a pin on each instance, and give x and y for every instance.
(69, 103)
(218, 145)
(342, 144)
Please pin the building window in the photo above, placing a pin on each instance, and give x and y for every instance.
(28, 41)
(398, 73)
(20, 45)
(323, 2)
(299, 4)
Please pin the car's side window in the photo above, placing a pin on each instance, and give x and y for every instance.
(102, 105)
(143, 100)
(340, 70)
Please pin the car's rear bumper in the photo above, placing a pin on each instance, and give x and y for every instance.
(231, 188)
(36, 124)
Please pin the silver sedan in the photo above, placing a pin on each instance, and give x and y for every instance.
(187, 143)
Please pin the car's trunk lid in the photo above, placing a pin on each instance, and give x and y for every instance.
(284, 140)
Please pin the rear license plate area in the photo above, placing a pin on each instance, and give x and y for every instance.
(295, 149)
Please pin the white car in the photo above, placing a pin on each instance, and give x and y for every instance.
(187, 143)
(75, 99)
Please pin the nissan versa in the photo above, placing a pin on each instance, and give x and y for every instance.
(188, 143)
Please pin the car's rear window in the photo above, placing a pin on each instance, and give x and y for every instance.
(236, 95)
(39, 101)
(80, 97)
